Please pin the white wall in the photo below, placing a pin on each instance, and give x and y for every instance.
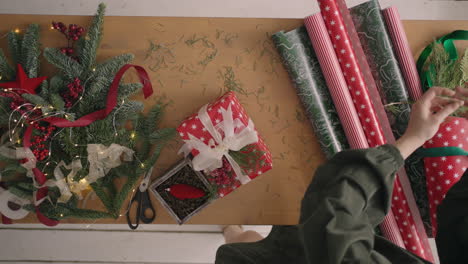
(409, 9)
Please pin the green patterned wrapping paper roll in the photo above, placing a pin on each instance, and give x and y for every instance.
(372, 31)
(304, 70)
(377, 45)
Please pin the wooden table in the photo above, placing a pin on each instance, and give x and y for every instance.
(190, 61)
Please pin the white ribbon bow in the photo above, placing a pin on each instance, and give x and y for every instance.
(61, 182)
(102, 159)
(211, 154)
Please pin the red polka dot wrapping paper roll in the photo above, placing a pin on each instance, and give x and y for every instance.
(410, 225)
(193, 126)
(443, 172)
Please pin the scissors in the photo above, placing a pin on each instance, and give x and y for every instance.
(144, 206)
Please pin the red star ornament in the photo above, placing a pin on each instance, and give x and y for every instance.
(25, 84)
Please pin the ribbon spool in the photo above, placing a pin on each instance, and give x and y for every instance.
(11, 205)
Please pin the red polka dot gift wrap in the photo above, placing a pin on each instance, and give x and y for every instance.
(443, 172)
(218, 128)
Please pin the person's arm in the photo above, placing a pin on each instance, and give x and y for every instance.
(426, 116)
(351, 193)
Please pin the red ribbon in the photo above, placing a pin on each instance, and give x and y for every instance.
(111, 100)
(81, 122)
(6, 220)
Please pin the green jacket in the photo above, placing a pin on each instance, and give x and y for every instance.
(348, 197)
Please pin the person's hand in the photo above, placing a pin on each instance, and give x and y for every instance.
(426, 116)
(462, 94)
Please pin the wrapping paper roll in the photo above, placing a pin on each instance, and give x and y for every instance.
(377, 46)
(382, 61)
(338, 22)
(304, 70)
(344, 104)
(402, 49)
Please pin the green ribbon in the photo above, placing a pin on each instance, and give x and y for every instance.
(441, 152)
(448, 42)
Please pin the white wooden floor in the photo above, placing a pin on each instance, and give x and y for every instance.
(165, 244)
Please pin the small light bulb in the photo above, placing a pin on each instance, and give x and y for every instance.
(46, 113)
(14, 120)
(48, 163)
(142, 165)
(17, 30)
(61, 215)
(51, 107)
(51, 27)
(1, 77)
(116, 134)
(76, 145)
(94, 69)
(18, 141)
(132, 135)
(45, 174)
(77, 156)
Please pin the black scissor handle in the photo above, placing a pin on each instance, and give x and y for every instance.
(146, 208)
(136, 199)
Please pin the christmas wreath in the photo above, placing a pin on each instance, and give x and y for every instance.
(73, 132)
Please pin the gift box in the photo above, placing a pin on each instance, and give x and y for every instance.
(445, 161)
(183, 208)
(224, 144)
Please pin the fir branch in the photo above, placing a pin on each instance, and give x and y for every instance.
(153, 118)
(94, 94)
(57, 101)
(132, 178)
(128, 89)
(30, 50)
(20, 192)
(127, 111)
(35, 99)
(67, 65)
(100, 192)
(162, 135)
(6, 71)
(87, 54)
(111, 66)
(464, 68)
(56, 84)
(44, 93)
(14, 45)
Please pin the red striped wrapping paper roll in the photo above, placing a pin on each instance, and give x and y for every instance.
(403, 52)
(414, 241)
(344, 104)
